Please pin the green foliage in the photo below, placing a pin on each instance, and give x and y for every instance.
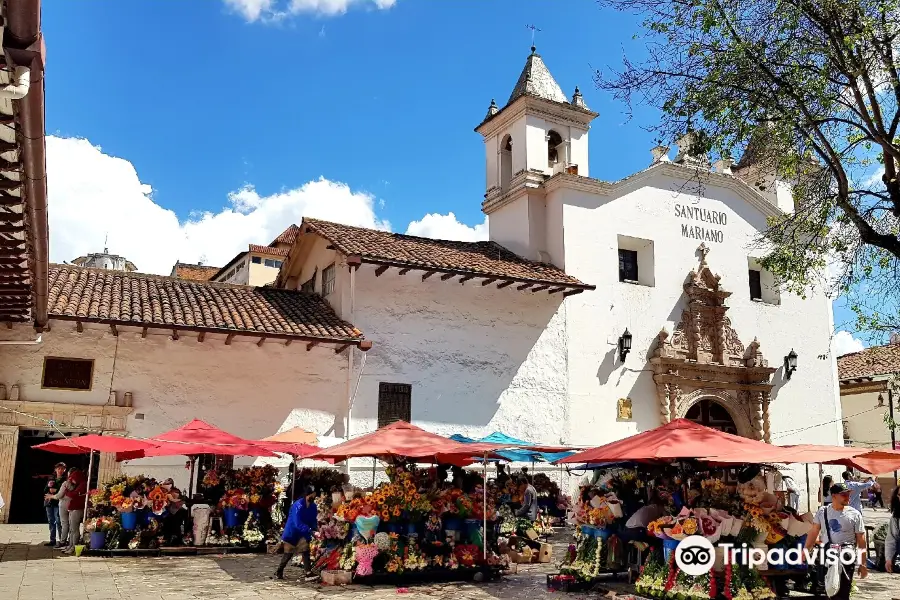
(808, 93)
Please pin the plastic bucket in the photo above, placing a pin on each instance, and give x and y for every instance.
(79, 548)
(98, 540)
(232, 517)
(129, 521)
(452, 524)
(669, 546)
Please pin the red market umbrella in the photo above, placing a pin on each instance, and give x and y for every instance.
(875, 462)
(199, 437)
(676, 440)
(124, 448)
(405, 440)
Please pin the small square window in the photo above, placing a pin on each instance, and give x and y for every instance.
(68, 373)
(269, 262)
(256, 260)
(328, 280)
(394, 403)
(755, 285)
(278, 264)
(628, 265)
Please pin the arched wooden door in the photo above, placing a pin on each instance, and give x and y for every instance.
(710, 413)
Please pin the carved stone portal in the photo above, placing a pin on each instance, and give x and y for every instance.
(704, 359)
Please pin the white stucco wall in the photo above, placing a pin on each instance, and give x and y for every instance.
(247, 390)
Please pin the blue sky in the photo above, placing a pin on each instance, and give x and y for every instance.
(231, 113)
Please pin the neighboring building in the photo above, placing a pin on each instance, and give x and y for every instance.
(128, 353)
(198, 272)
(524, 333)
(865, 378)
(259, 265)
(105, 260)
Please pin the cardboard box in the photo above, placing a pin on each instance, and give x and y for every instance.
(545, 554)
(337, 577)
(532, 534)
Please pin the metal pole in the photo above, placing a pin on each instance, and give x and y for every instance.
(191, 478)
(87, 499)
(808, 498)
(893, 433)
(484, 506)
(373, 472)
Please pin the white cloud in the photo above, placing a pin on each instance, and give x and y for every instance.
(843, 342)
(447, 227)
(274, 10)
(92, 194)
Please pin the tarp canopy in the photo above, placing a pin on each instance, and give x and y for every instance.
(679, 439)
(124, 448)
(199, 437)
(402, 439)
(295, 435)
(865, 459)
(530, 452)
(295, 449)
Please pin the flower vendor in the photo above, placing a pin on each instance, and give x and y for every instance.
(174, 518)
(298, 530)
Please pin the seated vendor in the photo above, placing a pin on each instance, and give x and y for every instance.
(175, 518)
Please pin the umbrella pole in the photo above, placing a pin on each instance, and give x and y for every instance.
(373, 472)
(808, 498)
(484, 506)
(191, 478)
(87, 500)
(294, 482)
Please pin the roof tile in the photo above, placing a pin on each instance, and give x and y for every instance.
(878, 360)
(139, 299)
(481, 258)
(268, 250)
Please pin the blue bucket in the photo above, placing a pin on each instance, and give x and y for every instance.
(232, 517)
(669, 546)
(392, 527)
(472, 526)
(452, 524)
(129, 521)
(143, 516)
(98, 540)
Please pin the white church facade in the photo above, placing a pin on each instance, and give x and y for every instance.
(596, 310)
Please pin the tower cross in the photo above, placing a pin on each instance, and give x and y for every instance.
(534, 30)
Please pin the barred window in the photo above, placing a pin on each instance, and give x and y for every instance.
(328, 280)
(394, 403)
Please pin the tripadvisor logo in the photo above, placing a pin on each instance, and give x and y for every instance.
(695, 555)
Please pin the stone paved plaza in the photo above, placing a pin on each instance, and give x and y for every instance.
(30, 571)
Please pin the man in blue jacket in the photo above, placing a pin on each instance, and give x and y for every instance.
(298, 530)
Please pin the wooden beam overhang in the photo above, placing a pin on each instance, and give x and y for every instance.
(202, 332)
(446, 274)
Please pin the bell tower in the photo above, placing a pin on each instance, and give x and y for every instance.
(538, 134)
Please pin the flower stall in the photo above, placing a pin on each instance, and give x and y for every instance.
(409, 528)
(141, 513)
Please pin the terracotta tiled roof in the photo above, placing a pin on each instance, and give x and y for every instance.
(193, 272)
(878, 360)
(97, 295)
(482, 258)
(288, 236)
(268, 250)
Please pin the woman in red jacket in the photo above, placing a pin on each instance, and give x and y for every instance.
(76, 492)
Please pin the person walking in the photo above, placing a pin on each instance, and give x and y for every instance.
(856, 489)
(892, 539)
(793, 494)
(298, 530)
(76, 492)
(825, 492)
(841, 525)
(877, 495)
(51, 502)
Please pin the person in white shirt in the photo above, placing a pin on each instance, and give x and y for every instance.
(840, 525)
(793, 494)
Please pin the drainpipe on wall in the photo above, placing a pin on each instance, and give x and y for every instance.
(350, 359)
(33, 342)
(17, 90)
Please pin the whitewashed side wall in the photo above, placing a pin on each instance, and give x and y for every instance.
(479, 359)
(246, 390)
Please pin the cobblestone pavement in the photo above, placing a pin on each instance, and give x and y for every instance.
(30, 571)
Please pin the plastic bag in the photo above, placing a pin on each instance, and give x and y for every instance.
(833, 579)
